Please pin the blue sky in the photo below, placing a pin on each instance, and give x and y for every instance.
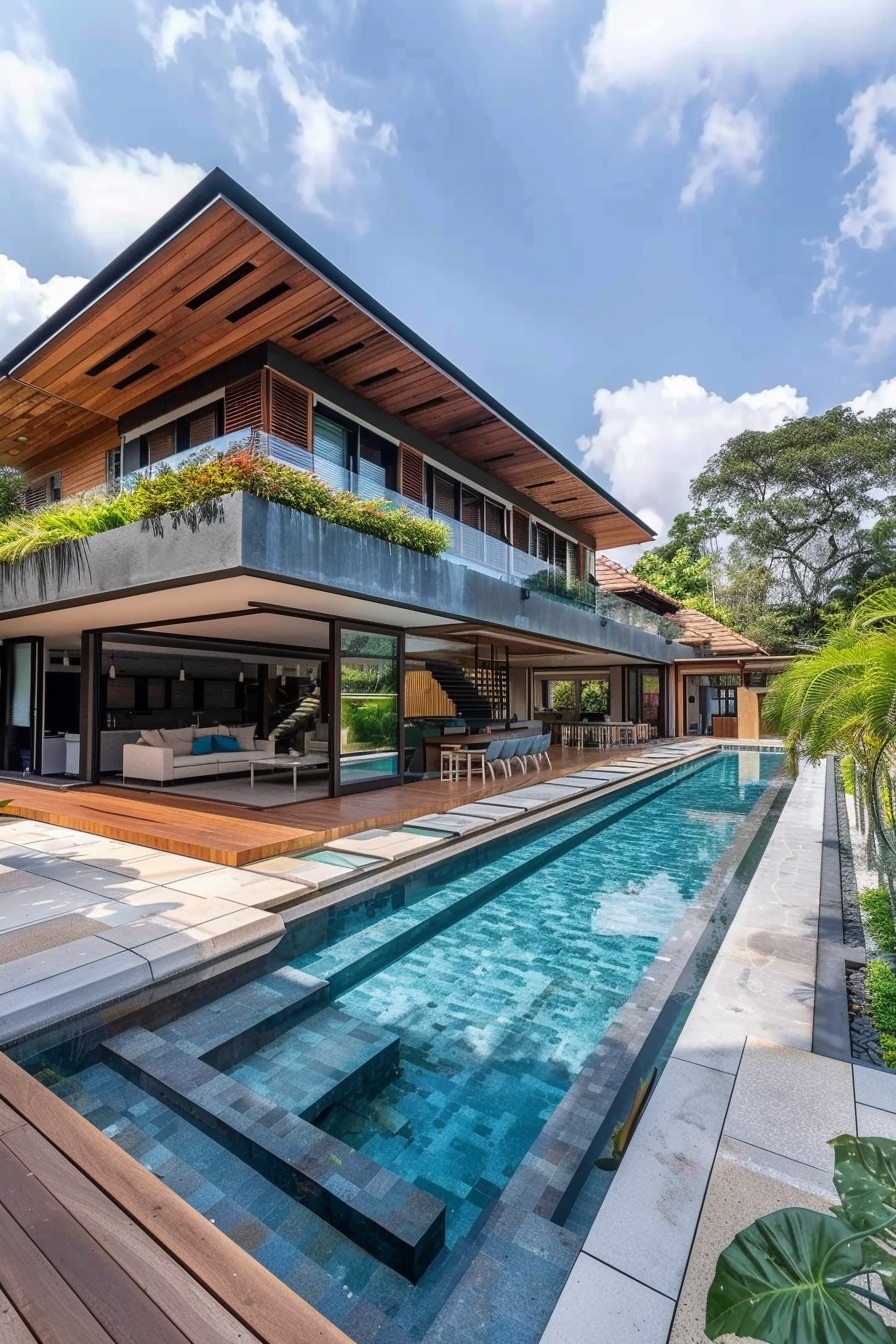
(644, 227)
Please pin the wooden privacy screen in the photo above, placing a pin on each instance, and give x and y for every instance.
(425, 699)
(270, 402)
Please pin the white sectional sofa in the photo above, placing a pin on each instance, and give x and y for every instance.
(165, 755)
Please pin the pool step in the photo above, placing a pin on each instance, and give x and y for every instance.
(324, 1058)
(402, 1226)
(229, 1028)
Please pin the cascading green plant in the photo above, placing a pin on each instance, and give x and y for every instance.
(798, 1276)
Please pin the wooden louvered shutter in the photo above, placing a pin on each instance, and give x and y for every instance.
(290, 411)
(203, 426)
(37, 496)
(412, 476)
(243, 405)
(471, 503)
(521, 531)
(495, 520)
(161, 443)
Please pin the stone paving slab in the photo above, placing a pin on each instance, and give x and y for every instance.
(602, 1306)
(647, 1217)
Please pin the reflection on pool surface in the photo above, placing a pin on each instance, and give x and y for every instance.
(496, 1011)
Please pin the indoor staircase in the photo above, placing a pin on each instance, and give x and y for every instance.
(469, 701)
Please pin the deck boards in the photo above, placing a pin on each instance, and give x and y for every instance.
(96, 1250)
(234, 835)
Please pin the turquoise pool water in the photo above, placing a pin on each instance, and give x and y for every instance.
(496, 1011)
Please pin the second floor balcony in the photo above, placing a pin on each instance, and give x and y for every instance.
(468, 546)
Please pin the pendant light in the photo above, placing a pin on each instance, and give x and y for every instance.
(65, 660)
(112, 672)
(182, 676)
(242, 676)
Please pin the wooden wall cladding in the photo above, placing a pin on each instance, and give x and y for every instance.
(425, 699)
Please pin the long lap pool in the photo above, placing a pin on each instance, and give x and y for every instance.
(498, 971)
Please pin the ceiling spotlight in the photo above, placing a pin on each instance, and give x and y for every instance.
(21, 438)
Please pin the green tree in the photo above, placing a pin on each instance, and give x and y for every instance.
(798, 498)
(13, 484)
(563, 695)
(842, 698)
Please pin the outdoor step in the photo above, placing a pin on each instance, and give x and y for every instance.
(324, 1058)
(391, 1219)
(229, 1028)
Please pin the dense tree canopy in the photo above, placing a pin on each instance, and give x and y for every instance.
(802, 499)
(790, 528)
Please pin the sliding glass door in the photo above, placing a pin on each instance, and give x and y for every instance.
(368, 695)
(22, 728)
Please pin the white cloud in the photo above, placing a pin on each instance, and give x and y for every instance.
(110, 195)
(332, 147)
(681, 48)
(731, 142)
(870, 215)
(666, 56)
(880, 398)
(25, 302)
(868, 222)
(655, 437)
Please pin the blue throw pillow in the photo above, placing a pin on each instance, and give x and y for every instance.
(225, 744)
(202, 746)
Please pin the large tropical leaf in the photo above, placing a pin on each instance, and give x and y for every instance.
(865, 1180)
(778, 1282)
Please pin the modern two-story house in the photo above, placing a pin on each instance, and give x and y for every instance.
(221, 327)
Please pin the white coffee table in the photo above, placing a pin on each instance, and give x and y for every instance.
(273, 763)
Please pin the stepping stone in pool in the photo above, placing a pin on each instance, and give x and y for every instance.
(456, 822)
(383, 844)
(321, 868)
(494, 811)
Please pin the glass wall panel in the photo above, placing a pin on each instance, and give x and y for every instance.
(20, 691)
(367, 683)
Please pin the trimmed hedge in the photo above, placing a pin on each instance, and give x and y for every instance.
(881, 983)
(192, 495)
(878, 912)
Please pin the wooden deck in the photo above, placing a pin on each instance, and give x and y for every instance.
(96, 1250)
(235, 835)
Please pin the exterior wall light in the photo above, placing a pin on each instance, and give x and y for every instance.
(525, 594)
(603, 620)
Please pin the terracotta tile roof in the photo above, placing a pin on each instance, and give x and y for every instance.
(701, 630)
(698, 629)
(616, 579)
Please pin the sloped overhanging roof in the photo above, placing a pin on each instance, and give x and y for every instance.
(220, 273)
(616, 579)
(701, 630)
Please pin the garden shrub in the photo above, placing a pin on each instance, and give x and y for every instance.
(878, 912)
(881, 985)
(371, 723)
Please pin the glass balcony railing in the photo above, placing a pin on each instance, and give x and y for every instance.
(467, 546)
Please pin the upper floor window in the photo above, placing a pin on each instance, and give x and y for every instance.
(344, 450)
(43, 490)
(176, 436)
(554, 550)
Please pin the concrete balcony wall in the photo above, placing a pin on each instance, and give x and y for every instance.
(271, 541)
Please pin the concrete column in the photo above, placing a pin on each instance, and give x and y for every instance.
(616, 675)
(88, 726)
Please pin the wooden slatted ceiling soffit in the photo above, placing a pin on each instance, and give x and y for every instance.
(222, 285)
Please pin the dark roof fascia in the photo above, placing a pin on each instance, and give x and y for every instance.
(217, 184)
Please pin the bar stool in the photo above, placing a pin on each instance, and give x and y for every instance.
(449, 762)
